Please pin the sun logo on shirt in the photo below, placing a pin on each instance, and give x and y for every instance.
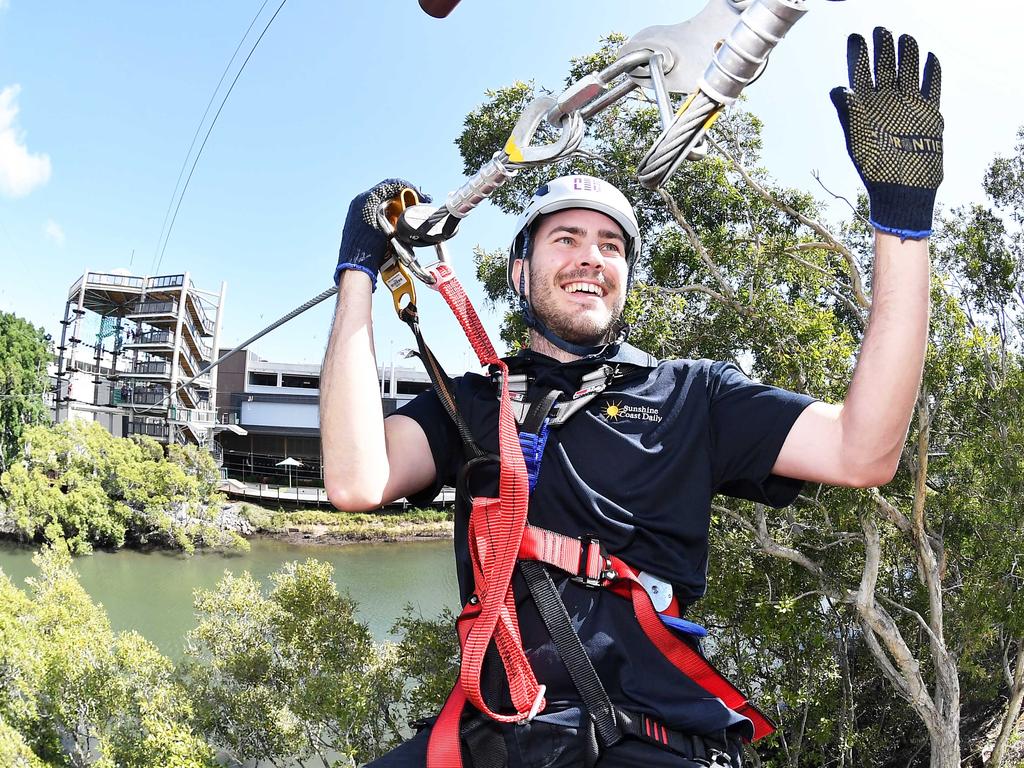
(613, 411)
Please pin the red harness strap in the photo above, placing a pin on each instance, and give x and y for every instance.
(584, 558)
(495, 535)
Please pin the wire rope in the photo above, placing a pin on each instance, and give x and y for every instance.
(202, 146)
(199, 127)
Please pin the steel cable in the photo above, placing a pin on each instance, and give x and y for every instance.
(657, 164)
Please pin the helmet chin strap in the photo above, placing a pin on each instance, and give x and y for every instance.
(534, 322)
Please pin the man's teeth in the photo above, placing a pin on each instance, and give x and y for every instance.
(583, 288)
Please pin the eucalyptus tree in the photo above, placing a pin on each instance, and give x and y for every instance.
(855, 611)
(24, 355)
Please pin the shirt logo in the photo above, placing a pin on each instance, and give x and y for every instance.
(616, 410)
(612, 411)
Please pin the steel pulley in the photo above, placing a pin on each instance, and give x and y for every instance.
(705, 62)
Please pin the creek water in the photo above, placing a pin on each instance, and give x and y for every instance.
(151, 592)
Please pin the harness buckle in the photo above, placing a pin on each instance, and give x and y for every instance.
(594, 569)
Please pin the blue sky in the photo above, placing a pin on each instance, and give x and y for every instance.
(99, 102)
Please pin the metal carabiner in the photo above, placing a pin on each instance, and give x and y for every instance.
(517, 153)
(518, 147)
(387, 219)
(393, 270)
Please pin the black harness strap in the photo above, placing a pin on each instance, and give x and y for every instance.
(552, 611)
(606, 724)
(539, 411)
(441, 382)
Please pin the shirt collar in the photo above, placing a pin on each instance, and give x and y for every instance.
(624, 353)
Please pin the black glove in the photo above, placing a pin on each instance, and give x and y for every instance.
(893, 132)
(363, 244)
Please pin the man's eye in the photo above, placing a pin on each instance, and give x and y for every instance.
(611, 247)
(566, 240)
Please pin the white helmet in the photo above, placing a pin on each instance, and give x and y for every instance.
(577, 192)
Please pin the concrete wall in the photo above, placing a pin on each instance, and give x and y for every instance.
(280, 414)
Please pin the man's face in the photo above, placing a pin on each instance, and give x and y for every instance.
(577, 276)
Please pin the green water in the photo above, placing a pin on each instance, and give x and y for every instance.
(151, 592)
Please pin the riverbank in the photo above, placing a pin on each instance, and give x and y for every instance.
(304, 526)
(332, 528)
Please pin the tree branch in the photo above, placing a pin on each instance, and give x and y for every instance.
(768, 544)
(928, 565)
(896, 659)
(856, 311)
(698, 245)
(897, 518)
(913, 614)
(856, 281)
(696, 288)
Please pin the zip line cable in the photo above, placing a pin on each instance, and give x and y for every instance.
(239, 347)
(195, 136)
(209, 131)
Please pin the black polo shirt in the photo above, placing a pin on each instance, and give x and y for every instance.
(637, 467)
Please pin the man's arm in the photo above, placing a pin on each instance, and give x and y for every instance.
(368, 461)
(858, 443)
(893, 130)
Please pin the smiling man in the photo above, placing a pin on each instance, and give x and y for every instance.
(624, 453)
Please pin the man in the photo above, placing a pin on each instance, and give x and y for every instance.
(633, 460)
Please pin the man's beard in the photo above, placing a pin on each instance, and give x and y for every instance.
(575, 328)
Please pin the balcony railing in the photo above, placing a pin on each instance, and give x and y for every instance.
(157, 367)
(154, 337)
(151, 428)
(198, 416)
(165, 281)
(103, 278)
(155, 308)
(148, 396)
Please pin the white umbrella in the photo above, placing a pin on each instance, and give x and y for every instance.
(290, 462)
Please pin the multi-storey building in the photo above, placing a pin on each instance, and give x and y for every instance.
(132, 353)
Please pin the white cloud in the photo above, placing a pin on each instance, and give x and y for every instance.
(20, 170)
(52, 230)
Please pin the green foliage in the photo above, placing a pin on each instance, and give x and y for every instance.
(291, 674)
(14, 752)
(76, 482)
(428, 659)
(285, 676)
(24, 355)
(72, 692)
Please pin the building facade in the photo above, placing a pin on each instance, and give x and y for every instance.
(278, 407)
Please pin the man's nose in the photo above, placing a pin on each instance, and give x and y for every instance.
(591, 257)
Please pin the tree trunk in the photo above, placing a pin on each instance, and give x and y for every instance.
(1006, 731)
(1013, 707)
(945, 745)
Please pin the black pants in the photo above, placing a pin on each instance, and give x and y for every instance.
(548, 745)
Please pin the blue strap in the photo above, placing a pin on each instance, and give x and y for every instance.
(533, 450)
(689, 627)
